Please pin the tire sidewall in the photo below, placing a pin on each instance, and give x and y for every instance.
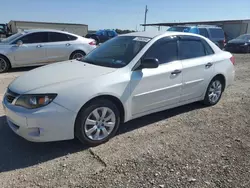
(7, 64)
(206, 100)
(83, 115)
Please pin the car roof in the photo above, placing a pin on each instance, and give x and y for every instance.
(158, 33)
(45, 30)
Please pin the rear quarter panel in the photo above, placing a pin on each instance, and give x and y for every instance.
(224, 66)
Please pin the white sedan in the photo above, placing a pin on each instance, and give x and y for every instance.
(127, 77)
(39, 47)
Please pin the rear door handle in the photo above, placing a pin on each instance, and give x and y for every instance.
(176, 72)
(39, 46)
(208, 65)
(68, 44)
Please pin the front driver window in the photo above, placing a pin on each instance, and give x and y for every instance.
(32, 38)
(165, 50)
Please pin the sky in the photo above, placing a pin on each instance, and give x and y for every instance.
(122, 14)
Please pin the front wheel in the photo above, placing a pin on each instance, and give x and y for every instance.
(4, 64)
(214, 92)
(97, 122)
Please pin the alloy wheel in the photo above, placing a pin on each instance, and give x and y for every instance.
(99, 123)
(78, 56)
(3, 65)
(215, 91)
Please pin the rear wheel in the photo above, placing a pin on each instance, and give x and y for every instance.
(4, 64)
(97, 122)
(77, 55)
(214, 91)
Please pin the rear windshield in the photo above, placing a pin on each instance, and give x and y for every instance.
(216, 33)
(178, 29)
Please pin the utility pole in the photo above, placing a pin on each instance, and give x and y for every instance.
(145, 17)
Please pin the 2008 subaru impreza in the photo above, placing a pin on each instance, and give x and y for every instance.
(127, 77)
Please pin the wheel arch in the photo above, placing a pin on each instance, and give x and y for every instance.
(111, 98)
(222, 78)
(7, 59)
(77, 50)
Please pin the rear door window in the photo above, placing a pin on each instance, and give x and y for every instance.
(216, 33)
(58, 37)
(191, 48)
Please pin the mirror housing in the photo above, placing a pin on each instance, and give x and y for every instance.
(149, 63)
(19, 43)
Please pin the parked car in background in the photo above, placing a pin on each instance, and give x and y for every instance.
(39, 47)
(127, 77)
(214, 33)
(102, 36)
(239, 44)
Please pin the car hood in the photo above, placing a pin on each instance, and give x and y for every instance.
(236, 41)
(57, 73)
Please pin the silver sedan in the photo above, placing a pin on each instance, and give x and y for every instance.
(39, 47)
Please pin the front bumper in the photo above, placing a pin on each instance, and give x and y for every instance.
(50, 123)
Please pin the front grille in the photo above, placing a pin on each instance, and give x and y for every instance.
(10, 96)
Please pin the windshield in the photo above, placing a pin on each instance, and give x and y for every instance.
(116, 52)
(11, 38)
(179, 29)
(244, 37)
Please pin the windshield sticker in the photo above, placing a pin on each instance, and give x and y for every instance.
(141, 39)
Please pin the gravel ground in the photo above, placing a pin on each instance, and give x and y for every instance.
(189, 146)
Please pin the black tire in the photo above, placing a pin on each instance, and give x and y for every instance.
(83, 115)
(7, 65)
(206, 100)
(77, 52)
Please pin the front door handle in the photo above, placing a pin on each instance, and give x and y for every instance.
(39, 46)
(176, 72)
(68, 44)
(208, 65)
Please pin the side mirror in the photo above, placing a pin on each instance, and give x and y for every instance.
(149, 63)
(19, 43)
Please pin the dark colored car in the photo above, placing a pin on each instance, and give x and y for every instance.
(102, 36)
(214, 33)
(239, 44)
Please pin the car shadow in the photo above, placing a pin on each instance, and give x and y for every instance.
(22, 69)
(16, 153)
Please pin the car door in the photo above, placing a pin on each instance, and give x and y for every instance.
(197, 62)
(31, 51)
(157, 88)
(59, 47)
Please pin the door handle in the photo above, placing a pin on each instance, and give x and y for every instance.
(68, 44)
(176, 72)
(39, 46)
(208, 65)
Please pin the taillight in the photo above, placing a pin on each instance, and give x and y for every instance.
(92, 43)
(232, 59)
(224, 42)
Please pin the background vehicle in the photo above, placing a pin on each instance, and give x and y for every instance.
(4, 31)
(239, 44)
(127, 77)
(38, 47)
(214, 33)
(102, 36)
(18, 26)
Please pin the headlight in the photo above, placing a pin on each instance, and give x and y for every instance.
(246, 44)
(35, 101)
